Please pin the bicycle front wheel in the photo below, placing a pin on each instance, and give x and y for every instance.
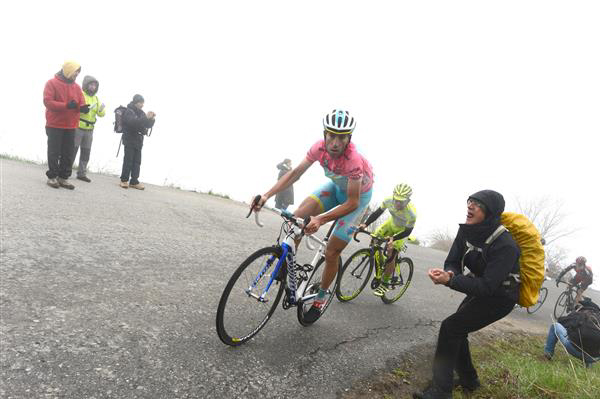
(354, 275)
(312, 287)
(561, 305)
(243, 311)
(540, 301)
(400, 281)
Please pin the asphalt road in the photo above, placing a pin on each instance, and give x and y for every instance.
(112, 293)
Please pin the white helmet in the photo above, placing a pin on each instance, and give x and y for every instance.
(339, 122)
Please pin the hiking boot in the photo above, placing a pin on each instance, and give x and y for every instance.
(53, 183)
(432, 392)
(467, 386)
(315, 310)
(138, 186)
(124, 184)
(381, 290)
(84, 178)
(65, 184)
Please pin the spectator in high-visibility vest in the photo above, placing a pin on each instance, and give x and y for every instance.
(85, 131)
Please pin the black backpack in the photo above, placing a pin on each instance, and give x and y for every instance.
(586, 303)
(119, 112)
(583, 327)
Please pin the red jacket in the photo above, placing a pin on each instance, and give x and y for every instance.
(57, 93)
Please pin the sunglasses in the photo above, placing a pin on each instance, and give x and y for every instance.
(402, 203)
(476, 203)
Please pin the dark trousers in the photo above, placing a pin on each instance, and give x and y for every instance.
(60, 152)
(132, 159)
(452, 352)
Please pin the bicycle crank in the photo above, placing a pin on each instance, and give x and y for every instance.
(375, 283)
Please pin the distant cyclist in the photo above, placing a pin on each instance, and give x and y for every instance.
(344, 198)
(583, 276)
(396, 229)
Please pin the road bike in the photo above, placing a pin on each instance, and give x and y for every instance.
(357, 270)
(541, 299)
(268, 275)
(566, 300)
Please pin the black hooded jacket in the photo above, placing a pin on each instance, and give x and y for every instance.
(135, 126)
(501, 257)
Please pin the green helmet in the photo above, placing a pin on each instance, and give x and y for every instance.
(402, 192)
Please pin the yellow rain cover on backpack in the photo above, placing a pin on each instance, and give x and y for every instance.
(532, 257)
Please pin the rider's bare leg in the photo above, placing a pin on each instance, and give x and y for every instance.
(335, 246)
(579, 295)
(390, 263)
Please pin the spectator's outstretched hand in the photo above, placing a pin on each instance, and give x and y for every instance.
(439, 276)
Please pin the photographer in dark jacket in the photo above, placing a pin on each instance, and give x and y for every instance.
(579, 333)
(284, 198)
(491, 292)
(135, 126)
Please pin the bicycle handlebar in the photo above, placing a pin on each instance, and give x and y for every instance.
(377, 238)
(285, 214)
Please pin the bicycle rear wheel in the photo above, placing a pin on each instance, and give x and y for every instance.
(312, 287)
(540, 301)
(400, 281)
(241, 314)
(354, 276)
(561, 304)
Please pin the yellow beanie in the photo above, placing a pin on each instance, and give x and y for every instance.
(69, 68)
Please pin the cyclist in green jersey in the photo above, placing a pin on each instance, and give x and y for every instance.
(396, 228)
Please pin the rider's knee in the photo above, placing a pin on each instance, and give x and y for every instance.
(332, 253)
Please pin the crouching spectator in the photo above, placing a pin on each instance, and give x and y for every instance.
(135, 126)
(579, 333)
(491, 292)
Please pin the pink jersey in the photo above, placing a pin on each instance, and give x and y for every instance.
(351, 165)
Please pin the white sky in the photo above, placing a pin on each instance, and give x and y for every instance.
(451, 97)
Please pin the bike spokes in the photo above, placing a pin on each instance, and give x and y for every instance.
(354, 275)
(250, 297)
(399, 281)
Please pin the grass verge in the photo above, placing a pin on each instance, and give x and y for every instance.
(510, 366)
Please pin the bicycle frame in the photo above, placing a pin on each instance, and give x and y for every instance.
(289, 255)
(378, 254)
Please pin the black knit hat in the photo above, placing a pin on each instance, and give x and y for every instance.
(138, 99)
(492, 200)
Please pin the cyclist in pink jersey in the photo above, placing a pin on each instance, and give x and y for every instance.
(344, 197)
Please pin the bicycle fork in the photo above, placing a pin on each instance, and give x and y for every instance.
(261, 298)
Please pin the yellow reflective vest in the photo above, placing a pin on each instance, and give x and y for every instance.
(87, 121)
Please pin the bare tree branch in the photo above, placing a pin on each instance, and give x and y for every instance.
(548, 216)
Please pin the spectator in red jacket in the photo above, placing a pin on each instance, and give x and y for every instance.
(64, 101)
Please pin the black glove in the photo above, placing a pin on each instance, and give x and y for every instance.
(84, 108)
(72, 104)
